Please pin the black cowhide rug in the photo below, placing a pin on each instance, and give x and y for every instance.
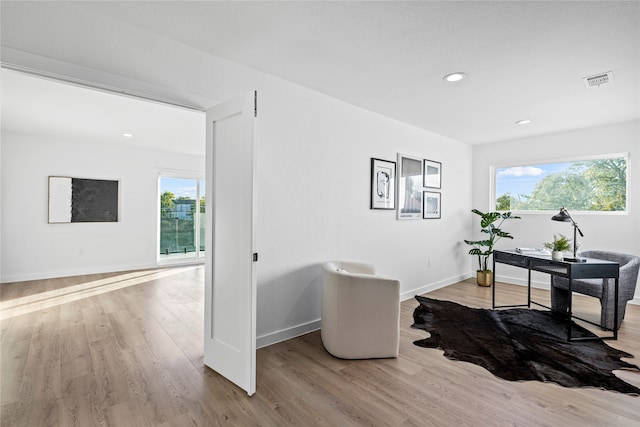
(521, 344)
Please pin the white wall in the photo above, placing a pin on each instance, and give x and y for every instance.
(313, 204)
(615, 232)
(34, 249)
(313, 183)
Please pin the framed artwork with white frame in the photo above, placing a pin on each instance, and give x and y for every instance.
(432, 174)
(432, 208)
(383, 184)
(409, 187)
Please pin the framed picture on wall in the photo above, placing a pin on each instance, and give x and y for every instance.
(409, 187)
(432, 205)
(432, 174)
(82, 200)
(383, 184)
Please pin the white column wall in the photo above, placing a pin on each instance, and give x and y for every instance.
(313, 194)
(314, 156)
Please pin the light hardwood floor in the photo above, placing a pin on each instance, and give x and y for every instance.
(125, 349)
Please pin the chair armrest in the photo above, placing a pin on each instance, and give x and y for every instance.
(358, 267)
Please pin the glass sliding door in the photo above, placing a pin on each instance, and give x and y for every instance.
(201, 217)
(181, 204)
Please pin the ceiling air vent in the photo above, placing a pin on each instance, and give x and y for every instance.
(598, 80)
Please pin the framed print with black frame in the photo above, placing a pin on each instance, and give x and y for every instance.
(383, 184)
(432, 208)
(409, 187)
(432, 174)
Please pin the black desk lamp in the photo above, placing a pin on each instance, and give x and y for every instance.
(564, 216)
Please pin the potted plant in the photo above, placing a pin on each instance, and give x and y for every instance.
(559, 245)
(484, 248)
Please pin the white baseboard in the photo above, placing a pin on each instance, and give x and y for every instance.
(305, 328)
(74, 272)
(433, 286)
(523, 282)
(543, 285)
(92, 270)
(287, 334)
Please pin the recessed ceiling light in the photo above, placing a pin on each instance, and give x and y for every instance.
(455, 77)
(523, 122)
(127, 135)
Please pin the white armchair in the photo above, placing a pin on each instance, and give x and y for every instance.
(360, 311)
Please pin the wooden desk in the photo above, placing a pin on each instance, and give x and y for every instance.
(590, 269)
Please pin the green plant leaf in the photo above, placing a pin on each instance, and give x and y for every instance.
(484, 248)
(489, 218)
(560, 243)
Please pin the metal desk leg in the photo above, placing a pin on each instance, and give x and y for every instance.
(493, 284)
(529, 288)
(615, 313)
(570, 308)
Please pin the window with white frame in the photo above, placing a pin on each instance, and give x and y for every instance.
(594, 184)
(182, 218)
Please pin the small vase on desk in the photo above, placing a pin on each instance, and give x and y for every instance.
(556, 255)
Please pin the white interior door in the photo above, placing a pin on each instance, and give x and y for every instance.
(230, 283)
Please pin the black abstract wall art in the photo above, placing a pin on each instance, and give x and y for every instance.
(82, 200)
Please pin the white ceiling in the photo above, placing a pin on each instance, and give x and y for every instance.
(56, 110)
(524, 60)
